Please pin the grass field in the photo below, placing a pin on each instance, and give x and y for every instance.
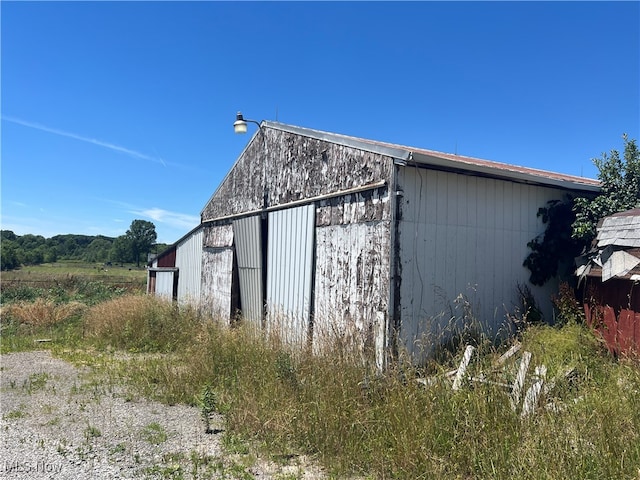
(93, 271)
(352, 419)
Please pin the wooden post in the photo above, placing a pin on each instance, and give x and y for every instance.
(531, 398)
(519, 382)
(466, 358)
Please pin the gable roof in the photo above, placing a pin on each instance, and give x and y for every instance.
(405, 155)
(448, 161)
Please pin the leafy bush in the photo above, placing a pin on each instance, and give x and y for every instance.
(16, 291)
(567, 306)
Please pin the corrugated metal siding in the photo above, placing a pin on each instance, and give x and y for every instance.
(352, 287)
(189, 261)
(290, 272)
(164, 285)
(248, 242)
(464, 235)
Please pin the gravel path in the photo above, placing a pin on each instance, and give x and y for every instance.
(58, 422)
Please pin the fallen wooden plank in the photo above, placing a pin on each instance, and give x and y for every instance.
(508, 354)
(490, 382)
(516, 390)
(531, 398)
(462, 368)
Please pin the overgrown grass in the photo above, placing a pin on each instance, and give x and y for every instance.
(354, 419)
(51, 311)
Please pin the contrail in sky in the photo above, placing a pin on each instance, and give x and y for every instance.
(100, 143)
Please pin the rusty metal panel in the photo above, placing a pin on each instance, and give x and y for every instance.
(189, 262)
(167, 258)
(462, 243)
(352, 288)
(290, 272)
(247, 234)
(626, 332)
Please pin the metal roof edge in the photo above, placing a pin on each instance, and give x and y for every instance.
(487, 167)
(175, 244)
(394, 151)
(253, 137)
(506, 171)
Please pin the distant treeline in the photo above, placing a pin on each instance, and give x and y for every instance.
(17, 250)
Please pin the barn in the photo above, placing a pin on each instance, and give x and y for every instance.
(321, 236)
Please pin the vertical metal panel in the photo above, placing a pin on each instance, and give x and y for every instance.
(247, 234)
(462, 235)
(189, 261)
(164, 284)
(289, 271)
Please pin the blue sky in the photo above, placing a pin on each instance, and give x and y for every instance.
(113, 111)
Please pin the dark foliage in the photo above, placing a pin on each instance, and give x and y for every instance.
(552, 253)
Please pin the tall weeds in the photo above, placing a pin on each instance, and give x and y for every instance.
(355, 419)
(141, 324)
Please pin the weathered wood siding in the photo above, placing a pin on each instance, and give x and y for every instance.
(464, 235)
(352, 274)
(217, 270)
(283, 167)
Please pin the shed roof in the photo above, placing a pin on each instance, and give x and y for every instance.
(448, 161)
(175, 244)
(620, 229)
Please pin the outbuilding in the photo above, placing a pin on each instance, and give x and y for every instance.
(610, 280)
(388, 249)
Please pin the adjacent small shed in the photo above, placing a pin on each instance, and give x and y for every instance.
(388, 248)
(176, 274)
(611, 276)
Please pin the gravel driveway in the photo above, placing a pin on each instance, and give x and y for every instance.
(59, 422)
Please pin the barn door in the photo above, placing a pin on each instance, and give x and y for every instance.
(290, 272)
(247, 235)
(166, 284)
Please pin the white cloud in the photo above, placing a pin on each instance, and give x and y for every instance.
(173, 219)
(75, 136)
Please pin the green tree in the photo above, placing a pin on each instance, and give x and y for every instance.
(620, 179)
(9, 255)
(121, 251)
(142, 235)
(97, 250)
(8, 235)
(571, 223)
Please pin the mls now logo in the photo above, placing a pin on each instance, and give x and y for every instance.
(31, 467)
